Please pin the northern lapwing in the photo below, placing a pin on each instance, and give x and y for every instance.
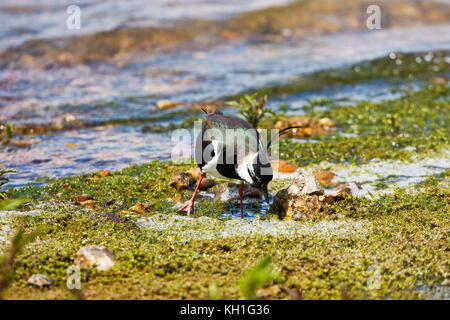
(230, 148)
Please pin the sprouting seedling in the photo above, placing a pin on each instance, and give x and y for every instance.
(9, 130)
(251, 108)
(3, 179)
(257, 277)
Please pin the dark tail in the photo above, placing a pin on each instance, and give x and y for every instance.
(283, 132)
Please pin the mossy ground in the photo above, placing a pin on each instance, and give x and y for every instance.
(394, 246)
(384, 130)
(403, 238)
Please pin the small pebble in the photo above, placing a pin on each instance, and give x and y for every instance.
(41, 281)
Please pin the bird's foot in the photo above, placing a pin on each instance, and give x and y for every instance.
(189, 206)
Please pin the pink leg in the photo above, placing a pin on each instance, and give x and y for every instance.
(190, 204)
(241, 197)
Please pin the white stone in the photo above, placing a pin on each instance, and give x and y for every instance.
(40, 281)
(99, 256)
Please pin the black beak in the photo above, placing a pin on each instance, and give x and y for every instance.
(265, 193)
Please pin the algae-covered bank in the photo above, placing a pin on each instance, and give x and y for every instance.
(90, 190)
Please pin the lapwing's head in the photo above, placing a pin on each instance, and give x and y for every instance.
(261, 173)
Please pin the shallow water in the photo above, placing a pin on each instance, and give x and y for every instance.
(109, 92)
(86, 150)
(26, 19)
(105, 93)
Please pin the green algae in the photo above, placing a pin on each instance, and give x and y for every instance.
(381, 130)
(145, 183)
(406, 244)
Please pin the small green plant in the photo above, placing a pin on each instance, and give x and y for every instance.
(3, 179)
(9, 130)
(252, 109)
(257, 277)
(18, 243)
(10, 204)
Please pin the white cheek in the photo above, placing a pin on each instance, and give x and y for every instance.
(213, 162)
(211, 166)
